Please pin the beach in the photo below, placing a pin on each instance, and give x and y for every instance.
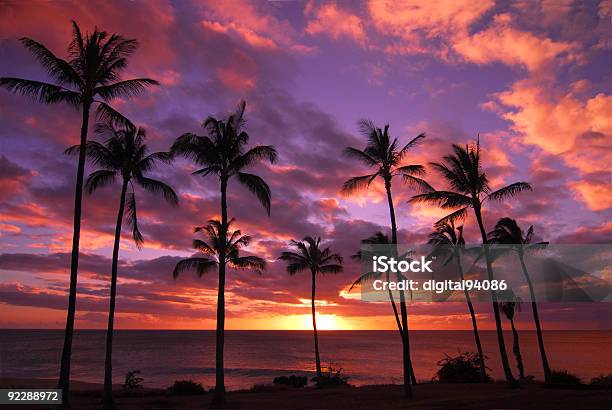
(426, 396)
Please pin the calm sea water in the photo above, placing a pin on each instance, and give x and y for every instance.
(368, 357)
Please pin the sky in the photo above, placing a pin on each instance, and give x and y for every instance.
(533, 80)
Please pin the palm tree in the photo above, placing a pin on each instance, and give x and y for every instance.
(383, 154)
(469, 188)
(378, 238)
(508, 232)
(450, 243)
(309, 255)
(124, 155)
(509, 306)
(223, 152)
(222, 249)
(90, 75)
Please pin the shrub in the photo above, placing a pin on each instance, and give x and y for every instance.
(464, 368)
(132, 380)
(186, 388)
(603, 380)
(563, 377)
(332, 377)
(293, 381)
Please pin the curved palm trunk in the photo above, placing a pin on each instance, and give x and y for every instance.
(517, 351)
(64, 376)
(536, 319)
(314, 326)
(483, 369)
(219, 396)
(409, 377)
(498, 325)
(108, 401)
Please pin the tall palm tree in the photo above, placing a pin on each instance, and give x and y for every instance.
(309, 255)
(223, 152)
(124, 155)
(508, 232)
(222, 249)
(384, 155)
(509, 307)
(89, 76)
(449, 242)
(469, 188)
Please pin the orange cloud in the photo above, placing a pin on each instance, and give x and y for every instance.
(408, 20)
(503, 42)
(558, 123)
(337, 23)
(597, 196)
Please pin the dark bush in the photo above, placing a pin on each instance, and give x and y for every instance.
(132, 380)
(464, 368)
(603, 380)
(186, 388)
(293, 381)
(563, 377)
(331, 377)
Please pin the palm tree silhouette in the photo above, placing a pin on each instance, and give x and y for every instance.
(123, 155)
(384, 155)
(509, 306)
(449, 242)
(222, 152)
(90, 75)
(222, 249)
(508, 232)
(469, 188)
(309, 255)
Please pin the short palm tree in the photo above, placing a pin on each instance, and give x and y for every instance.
(509, 307)
(90, 75)
(308, 255)
(223, 152)
(123, 156)
(508, 233)
(469, 188)
(448, 242)
(221, 249)
(378, 238)
(383, 154)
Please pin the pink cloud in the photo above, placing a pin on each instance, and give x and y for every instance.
(335, 22)
(503, 42)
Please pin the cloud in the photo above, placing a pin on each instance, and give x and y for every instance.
(337, 23)
(504, 43)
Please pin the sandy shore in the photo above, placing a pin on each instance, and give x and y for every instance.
(426, 396)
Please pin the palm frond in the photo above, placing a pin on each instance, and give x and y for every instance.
(40, 91)
(413, 143)
(257, 186)
(201, 266)
(107, 114)
(366, 277)
(356, 184)
(57, 68)
(132, 219)
(249, 262)
(510, 191)
(155, 186)
(99, 179)
(360, 156)
(444, 199)
(124, 89)
(458, 215)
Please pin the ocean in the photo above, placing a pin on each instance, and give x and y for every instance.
(255, 357)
